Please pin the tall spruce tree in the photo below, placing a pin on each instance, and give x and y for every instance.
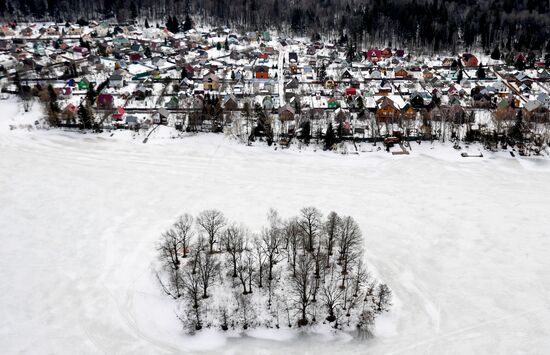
(188, 23)
(495, 55)
(480, 73)
(330, 138)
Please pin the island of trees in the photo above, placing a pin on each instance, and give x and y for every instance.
(298, 272)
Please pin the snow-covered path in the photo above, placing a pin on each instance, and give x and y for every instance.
(464, 244)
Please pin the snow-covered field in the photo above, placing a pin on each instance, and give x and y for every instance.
(463, 242)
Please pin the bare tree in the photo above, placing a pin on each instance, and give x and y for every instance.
(176, 282)
(212, 221)
(246, 311)
(331, 229)
(319, 264)
(310, 225)
(292, 240)
(184, 231)
(208, 268)
(168, 249)
(245, 270)
(270, 244)
(303, 286)
(365, 323)
(195, 254)
(360, 278)
(233, 243)
(260, 259)
(332, 294)
(175, 286)
(192, 285)
(349, 243)
(383, 298)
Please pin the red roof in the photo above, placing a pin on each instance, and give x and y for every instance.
(374, 53)
(119, 113)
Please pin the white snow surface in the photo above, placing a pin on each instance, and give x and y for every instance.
(463, 242)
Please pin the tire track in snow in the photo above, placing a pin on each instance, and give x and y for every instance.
(465, 330)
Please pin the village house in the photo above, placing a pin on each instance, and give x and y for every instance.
(470, 60)
(74, 31)
(293, 57)
(427, 74)
(6, 31)
(173, 103)
(211, 82)
(267, 103)
(262, 72)
(230, 102)
(408, 112)
(374, 55)
(332, 103)
(534, 111)
(400, 72)
(26, 32)
(286, 113)
(116, 81)
(386, 111)
(105, 101)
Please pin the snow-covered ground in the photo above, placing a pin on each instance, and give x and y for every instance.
(463, 242)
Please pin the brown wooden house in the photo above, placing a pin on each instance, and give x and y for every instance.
(401, 72)
(286, 113)
(408, 112)
(386, 111)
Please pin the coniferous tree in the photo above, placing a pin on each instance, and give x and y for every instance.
(187, 24)
(495, 55)
(330, 138)
(322, 74)
(172, 24)
(306, 131)
(351, 52)
(519, 63)
(91, 95)
(516, 132)
(85, 115)
(480, 73)
(53, 107)
(263, 123)
(531, 59)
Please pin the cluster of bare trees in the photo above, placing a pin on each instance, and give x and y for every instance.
(294, 272)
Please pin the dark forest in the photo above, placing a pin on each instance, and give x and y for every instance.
(429, 25)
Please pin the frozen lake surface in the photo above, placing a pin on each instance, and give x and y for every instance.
(463, 243)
